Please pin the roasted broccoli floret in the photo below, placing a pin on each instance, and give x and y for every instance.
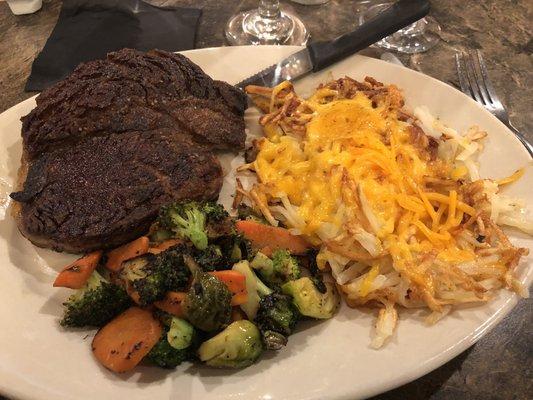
(166, 356)
(208, 303)
(151, 276)
(276, 319)
(222, 252)
(235, 247)
(278, 270)
(219, 223)
(211, 258)
(196, 221)
(175, 344)
(237, 346)
(95, 304)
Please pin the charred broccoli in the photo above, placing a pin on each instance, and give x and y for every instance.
(276, 319)
(151, 276)
(175, 344)
(195, 221)
(165, 356)
(211, 258)
(208, 303)
(95, 304)
(278, 270)
(235, 247)
(222, 253)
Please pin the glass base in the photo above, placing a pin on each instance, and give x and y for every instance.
(415, 38)
(249, 27)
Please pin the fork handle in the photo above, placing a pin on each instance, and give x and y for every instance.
(522, 138)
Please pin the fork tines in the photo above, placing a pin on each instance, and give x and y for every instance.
(474, 79)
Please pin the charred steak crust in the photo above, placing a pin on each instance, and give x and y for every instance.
(118, 138)
(136, 91)
(106, 190)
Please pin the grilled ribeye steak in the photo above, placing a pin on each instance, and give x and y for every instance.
(106, 190)
(118, 138)
(136, 91)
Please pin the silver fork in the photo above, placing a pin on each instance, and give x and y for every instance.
(475, 83)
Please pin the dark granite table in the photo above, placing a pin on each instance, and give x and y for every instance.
(500, 366)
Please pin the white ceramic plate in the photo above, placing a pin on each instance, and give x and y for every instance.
(329, 360)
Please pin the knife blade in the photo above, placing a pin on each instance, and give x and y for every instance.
(319, 55)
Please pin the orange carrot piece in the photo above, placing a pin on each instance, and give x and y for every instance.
(116, 257)
(167, 244)
(267, 251)
(172, 303)
(235, 281)
(75, 275)
(239, 298)
(134, 296)
(274, 237)
(124, 341)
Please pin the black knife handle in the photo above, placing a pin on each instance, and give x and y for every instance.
(396, 17)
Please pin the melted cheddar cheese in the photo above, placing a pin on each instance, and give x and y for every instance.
(355, 152)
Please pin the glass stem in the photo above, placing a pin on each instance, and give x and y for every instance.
(269, 9)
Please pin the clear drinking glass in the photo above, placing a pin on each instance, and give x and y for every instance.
(267, 24)
(415, 38)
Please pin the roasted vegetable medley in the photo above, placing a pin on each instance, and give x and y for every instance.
(201, 286)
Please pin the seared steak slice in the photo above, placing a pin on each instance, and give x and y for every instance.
(136, 91)
(106, 190)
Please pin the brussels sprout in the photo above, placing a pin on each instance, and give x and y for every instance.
(310, 301)
(276, 319)
(261, 261)
(237, 346)
(208, 303)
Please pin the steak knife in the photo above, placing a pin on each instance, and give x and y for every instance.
(319, 55)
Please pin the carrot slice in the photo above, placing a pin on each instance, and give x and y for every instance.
(267, 251)
(239, 298)
(75, 275)
(116, 257)
(234, 280)
(134, 295)
(167, 244)
(236, 283)
(124, 341)
(172, 303)
(274, 237)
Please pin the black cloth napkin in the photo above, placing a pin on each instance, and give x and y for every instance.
(89, 29)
